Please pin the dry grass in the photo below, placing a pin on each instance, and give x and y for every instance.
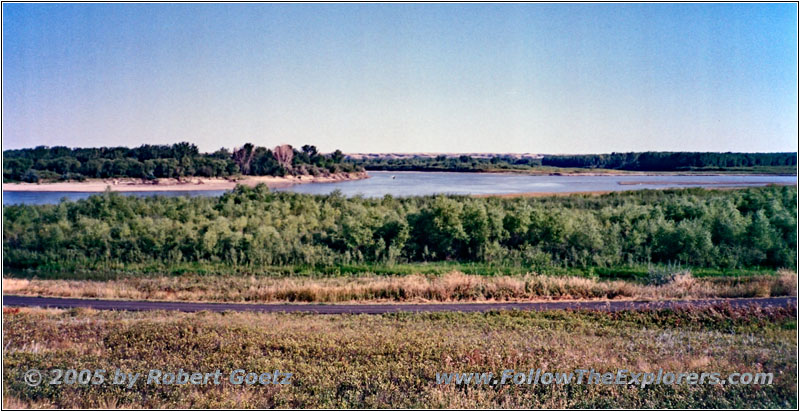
(382, 361)
(455, 286)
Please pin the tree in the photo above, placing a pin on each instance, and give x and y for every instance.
(310, 150)
(243, 156)
(283, 154)
(30, 176)
(177, 160)
(264, 163)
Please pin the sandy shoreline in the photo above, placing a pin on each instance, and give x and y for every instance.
(604, 172)
(605, 192)
(189, 184)
(212, 184)
(708, 183)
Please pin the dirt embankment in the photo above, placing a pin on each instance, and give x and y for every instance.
(187, 184)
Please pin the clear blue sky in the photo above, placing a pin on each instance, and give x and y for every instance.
(543, 78)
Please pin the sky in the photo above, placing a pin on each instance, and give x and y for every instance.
(506, 78)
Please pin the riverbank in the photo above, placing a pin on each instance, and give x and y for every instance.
(186, 184)
(577, 171)
(704, 185)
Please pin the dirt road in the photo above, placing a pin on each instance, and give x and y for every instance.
(611, 306)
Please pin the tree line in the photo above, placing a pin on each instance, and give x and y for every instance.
(252, 227)
(672, 161)
(642, 161)
(166, 161)
(462, 163)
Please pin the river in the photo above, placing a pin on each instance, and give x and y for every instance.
(427, 183)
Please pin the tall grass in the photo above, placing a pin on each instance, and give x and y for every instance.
(454, 286)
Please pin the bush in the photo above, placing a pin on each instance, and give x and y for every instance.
(251, 227)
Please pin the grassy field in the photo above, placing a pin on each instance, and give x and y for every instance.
(640, 272)
(365, 361)
(450, 287)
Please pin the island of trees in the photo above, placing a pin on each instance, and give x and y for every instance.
(781, 163)
(150, 162)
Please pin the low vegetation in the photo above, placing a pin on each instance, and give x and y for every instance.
(369, 361)
(451, 287)
(250, 228)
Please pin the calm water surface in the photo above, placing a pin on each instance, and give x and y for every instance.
(428, 183)
(46, 198)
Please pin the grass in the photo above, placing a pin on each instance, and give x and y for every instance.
(366, 361)
(451, 287)
(101, 271)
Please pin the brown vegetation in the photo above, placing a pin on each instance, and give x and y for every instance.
(453, 287)
(391, 361)
(283, 154)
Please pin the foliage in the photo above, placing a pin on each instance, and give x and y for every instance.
(662, 275)
(644, 161)
(462, 163)
(450, 287)
(165, 161)
(250, 228)
(670, 161)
